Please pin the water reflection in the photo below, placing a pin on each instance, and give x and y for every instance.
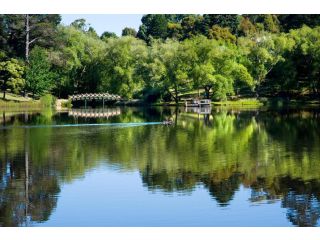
(274, 153)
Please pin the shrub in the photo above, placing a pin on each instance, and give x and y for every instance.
(48, 100)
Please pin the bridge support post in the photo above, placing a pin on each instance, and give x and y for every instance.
(85, 103)
(102, 102)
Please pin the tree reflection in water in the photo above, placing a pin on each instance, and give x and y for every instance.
(273, 153)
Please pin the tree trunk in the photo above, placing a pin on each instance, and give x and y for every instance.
(4, 122)
(4, 94)
(207, 92)
(27, 37)
(176, 95)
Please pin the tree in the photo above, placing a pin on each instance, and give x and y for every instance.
(215, 67)
(153, 26)
(175, 31)
(246, 27)
(39, 28)
(80, 24)
(106, 35)
(271, 23)
(174, 64)
(39, 77)
(22, 32)
(306, 56)
(121, 58)
(220, 33)
(191, 25)
(78, 62)
(230, 21)
(294, 21)
(129, 32)
(11, 72)
(262, 53)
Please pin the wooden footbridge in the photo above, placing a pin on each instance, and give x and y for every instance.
(105, 97)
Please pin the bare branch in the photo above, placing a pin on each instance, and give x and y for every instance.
(33, 40)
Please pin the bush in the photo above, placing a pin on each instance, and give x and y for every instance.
(48, 100)
(66, 104)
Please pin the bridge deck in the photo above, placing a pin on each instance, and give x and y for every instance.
(95, 96)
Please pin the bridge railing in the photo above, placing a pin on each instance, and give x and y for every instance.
(94, 96)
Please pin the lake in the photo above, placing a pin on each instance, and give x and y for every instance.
(122, 167)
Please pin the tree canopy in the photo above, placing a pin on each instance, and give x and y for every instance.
(171, 54)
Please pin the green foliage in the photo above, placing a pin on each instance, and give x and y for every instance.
(220, 33)
(66, 104)
(246, 27)
(43, 32)
(153, 26)
(216, 67)
(48, 100)
(105, 35)
(121, 58)
(39, 77)
(263, 52)
(221, 54)
(230, 21)
(294, 21)
(80, 24)
(11, 72)
(306, 52)
(129, 32)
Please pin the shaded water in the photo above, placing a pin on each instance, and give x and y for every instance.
(228, 168)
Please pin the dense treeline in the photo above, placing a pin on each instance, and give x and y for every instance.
(213, 55)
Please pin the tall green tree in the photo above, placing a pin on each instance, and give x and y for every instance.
(262, 53)
(23, 32)
(39, 77)
(306, 55)
(153, 26)
(121, 58)
(175, 62)
(11, 72)
(216, 67)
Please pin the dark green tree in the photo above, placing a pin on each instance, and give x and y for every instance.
(153, 26)
(105, 35)
(129, 32)
(230, 21)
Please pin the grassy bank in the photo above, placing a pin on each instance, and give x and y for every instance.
(254, 103)
(241, 102)
(15, 102)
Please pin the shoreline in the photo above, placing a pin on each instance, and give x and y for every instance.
(61, 104)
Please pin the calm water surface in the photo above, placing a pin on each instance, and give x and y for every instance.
(227, 168)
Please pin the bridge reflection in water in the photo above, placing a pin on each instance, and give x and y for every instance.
(199, 110)
(95, 112)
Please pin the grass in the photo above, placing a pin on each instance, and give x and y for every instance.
(241, 102)
(15, 98)
(17, 102)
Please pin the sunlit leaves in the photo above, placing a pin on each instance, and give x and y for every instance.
(11, 75)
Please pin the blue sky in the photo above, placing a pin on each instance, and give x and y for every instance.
(106, 22)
